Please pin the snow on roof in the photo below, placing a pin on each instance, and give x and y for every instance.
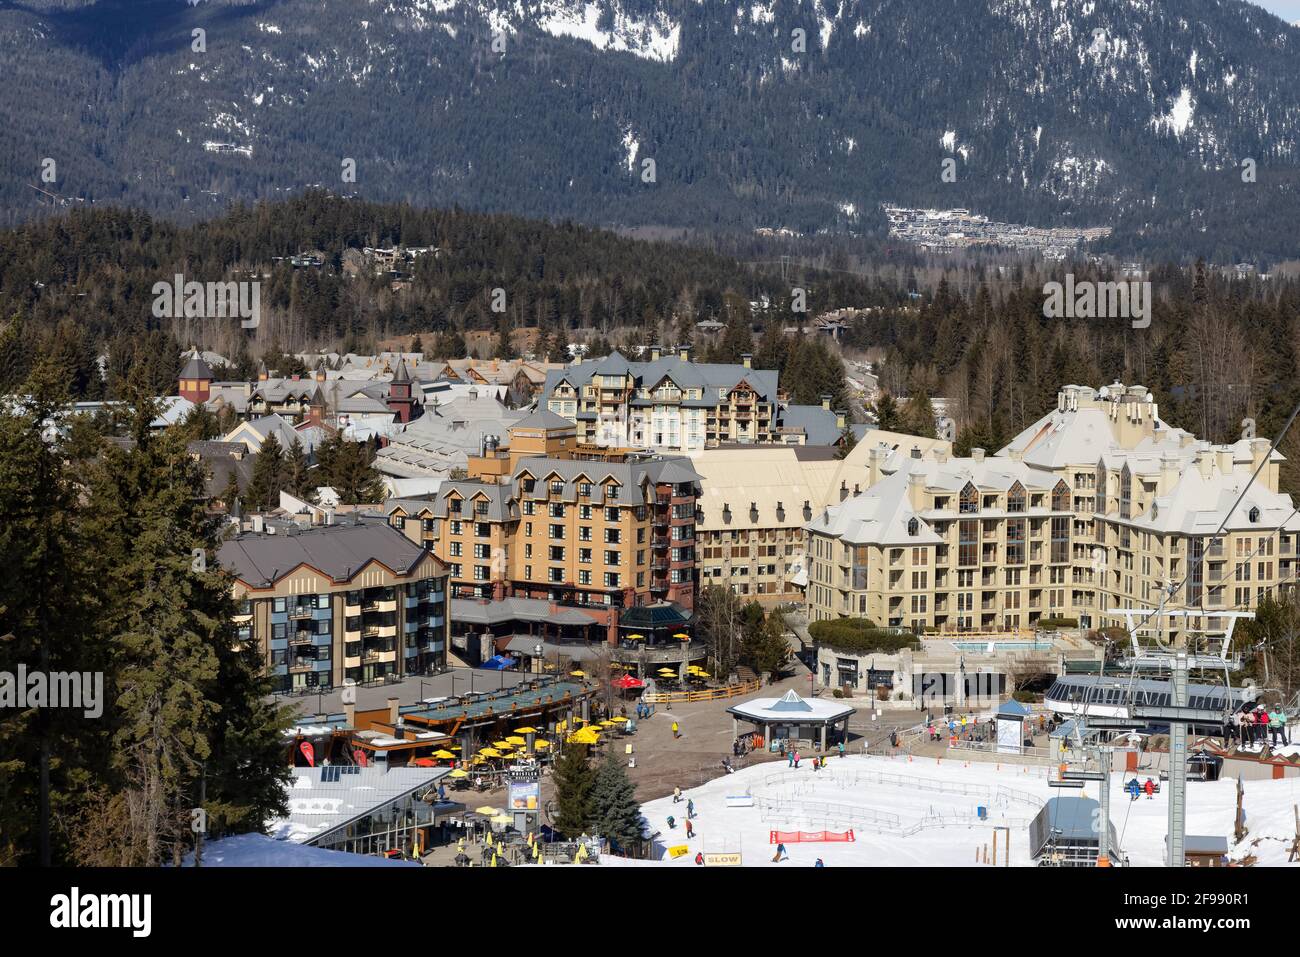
(790, 709)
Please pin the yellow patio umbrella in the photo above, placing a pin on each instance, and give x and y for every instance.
(526, 730)
(635, 637)
(515, 739)
(488, 810)
(667, 671)
(620, 719)
(503, 745)
(502, 819)
(490, 753)
(562, 725)
(702, 674)
(459, 773)
(607, 723)
(578, 674)
(443, 754)
(542, 745)
(683, 636)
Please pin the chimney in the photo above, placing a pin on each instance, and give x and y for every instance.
(916, 490)
(1205, 462)
(259, 524)
(684, 353)
(655, 353)
(826, 402)
(1016, 455)
(941, 455)
(875, 465)
(841, 419)
(350, 715)
(392, 710)
(747, 360)
(1225, 460)
(977, 455)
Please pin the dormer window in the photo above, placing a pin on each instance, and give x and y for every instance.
(1254, 516)
(913, 527)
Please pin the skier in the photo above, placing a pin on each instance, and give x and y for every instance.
(1134, 789)
(820, 863)
(1150, 789)
(690, 828)
(671, 823)
(699, 857)
(780, 854)
(677, 795)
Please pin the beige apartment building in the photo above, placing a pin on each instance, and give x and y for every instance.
(755, 501)
(544, 517)
(1098, 505)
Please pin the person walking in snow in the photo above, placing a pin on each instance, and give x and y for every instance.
(796, 760)
(690, 809)
(789, 759)
(677, 795)
(690, 828)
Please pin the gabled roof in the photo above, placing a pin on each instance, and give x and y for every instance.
(543, 419)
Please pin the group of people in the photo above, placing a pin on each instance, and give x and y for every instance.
(643, 710)
(1134, 789)
(1255, 726)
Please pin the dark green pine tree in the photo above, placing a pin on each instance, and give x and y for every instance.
(575, 812)
(268, 475)
(48, 622)
(348, 468)
(15, 355)
(888, 416)
(560, 342)
(918, 415)
(617, 813)
(190, 708)
(296, 478)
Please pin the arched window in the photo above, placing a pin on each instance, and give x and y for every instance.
(1254, 515)
(1125, 493)
(914, 527)
(1016, 498)
(970, 499)
(1100, 505)
(1061, 497)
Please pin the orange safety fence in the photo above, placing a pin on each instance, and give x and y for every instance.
(805, 837)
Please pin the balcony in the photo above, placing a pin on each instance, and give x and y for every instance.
(301, 637)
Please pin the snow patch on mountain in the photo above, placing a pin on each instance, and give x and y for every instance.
(1179, 118)
(656, 37)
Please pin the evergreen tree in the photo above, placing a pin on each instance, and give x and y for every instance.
(560, 343)
(574, 780)
(49, 622)
(888, 416)
(848, 441)
(296, 478)
(617, 814)
(765, 648)
(268, 475)
(231, 490)
(14, 355)
(348, 468)
(190, 704)
(417, 345)
(918, 415)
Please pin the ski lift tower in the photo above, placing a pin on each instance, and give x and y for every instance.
(1161, 660)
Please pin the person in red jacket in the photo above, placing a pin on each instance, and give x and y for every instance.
(1150, 788)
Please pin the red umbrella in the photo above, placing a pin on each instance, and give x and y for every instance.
(625, 682)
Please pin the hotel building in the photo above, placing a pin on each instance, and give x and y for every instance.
(334, 602)
(1097, 505)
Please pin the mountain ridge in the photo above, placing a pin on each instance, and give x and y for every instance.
(1132, 113)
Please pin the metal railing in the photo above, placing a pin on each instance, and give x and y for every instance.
(705, 694)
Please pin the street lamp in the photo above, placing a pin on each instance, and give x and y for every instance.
(537, 659)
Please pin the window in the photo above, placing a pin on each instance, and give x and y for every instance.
(1016, 498)
(612, 536)
(611, 515)
(557, 510)
(481, 507)
(557, 487)
(968, 541)
(611, 557)
(611, 579)
(970, 499)
(556, 553)
(482, 530)
(1125, 493)
(557, 531)
(584, 490)
(913, 527)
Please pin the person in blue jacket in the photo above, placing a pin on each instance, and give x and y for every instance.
(819, 863)
(1134, 789)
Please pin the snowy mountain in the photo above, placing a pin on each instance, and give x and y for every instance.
(803, 114)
